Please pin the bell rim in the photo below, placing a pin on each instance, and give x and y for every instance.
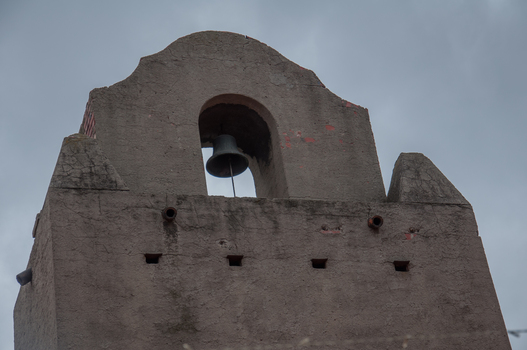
(235, 172)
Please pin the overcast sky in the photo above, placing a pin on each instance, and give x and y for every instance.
(444, 78)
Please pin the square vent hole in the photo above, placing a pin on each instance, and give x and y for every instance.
(401, 265)
(152, 258)
(319, 263)
(235, 260)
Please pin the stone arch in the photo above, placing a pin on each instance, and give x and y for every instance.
(254, 129)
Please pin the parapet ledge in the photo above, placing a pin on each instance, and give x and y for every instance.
(416, 179)
(83, 165)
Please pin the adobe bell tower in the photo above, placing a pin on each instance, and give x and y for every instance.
(131, 253)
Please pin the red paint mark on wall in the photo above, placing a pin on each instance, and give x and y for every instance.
(341, 141)
(301, 166)
(88, 121)
(326, 232)
(349, 104)
(330, 128)
(409, 236)
(289, 140)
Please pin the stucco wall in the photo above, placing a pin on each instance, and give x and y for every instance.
(147, 124)
(193, 296)
(35, 317)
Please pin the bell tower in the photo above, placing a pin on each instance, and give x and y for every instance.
(131, 253)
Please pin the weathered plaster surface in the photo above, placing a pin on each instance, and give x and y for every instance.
(416, 179)
(82, 165)
(147, 124)
(108, 297)
(35, 316)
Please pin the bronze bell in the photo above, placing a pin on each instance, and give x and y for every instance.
(225, 157)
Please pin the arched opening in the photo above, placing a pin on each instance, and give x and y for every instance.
(251, 124)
